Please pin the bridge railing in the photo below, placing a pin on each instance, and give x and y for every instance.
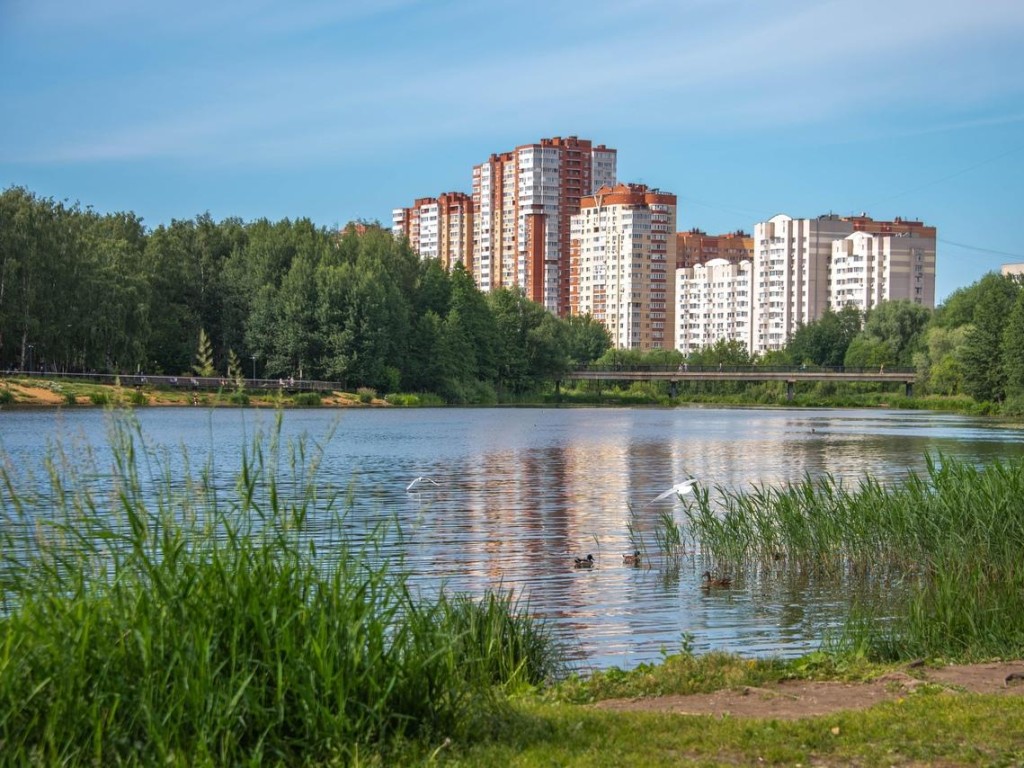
(687, 368)
(186, 382)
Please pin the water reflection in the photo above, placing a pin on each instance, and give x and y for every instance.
(524, 491)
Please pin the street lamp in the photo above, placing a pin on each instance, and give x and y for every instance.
(254, 367)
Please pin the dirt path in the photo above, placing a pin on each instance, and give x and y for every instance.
(792, 700)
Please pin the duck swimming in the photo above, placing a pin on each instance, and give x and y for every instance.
(584, 562)
(708, 581)
(633, 559)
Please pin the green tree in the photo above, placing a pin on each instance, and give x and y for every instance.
(938, 365)
(867, 351)
(825, 341)
(204, 356)
(296, 333)
(456, 358)
(586, 339)
(982, 352)
(424, 372)
(530, 347)
(1013, 349)
(235, 371)
(477, 321)
(724, 352)
(892, 335)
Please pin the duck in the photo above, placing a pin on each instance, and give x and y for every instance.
(708, 581)
(633, 559)
(584, 562)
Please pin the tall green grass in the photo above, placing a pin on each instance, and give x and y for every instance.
(942, 549)
(147, 620)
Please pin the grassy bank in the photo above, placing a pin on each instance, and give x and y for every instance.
(148, 619)
(71, 393)
(57, 392)
(820, 395)
(160, 623)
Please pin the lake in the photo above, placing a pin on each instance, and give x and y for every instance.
(521, 492)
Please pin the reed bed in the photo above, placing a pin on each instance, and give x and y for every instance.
(949, 539)
(146, 621)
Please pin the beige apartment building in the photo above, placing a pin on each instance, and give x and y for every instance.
(795, 279)
(1012, 270)
(869, 267)
(523, 202)
(622, 264)
(698, 247)
(438, 228)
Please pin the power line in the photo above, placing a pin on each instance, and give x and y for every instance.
(953, 175)
(979, 248)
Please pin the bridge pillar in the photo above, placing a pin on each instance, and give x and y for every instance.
(789, 389)
(910, 389)
(672, 389)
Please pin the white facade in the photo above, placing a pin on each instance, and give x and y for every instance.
(427, 247)
(791, 265)
(603, 170)
(538, 190)
(713, 302)
(483, 242)
(523, 201)
(870, 268)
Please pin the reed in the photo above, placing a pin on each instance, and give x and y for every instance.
(946, 543)
(146, 620)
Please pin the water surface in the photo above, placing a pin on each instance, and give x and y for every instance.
(522, 491)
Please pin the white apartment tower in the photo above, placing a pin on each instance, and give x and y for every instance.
(523, 201)
(622, 264)
(713, 303)
(796, 279)
(868, 268)
(791, 258)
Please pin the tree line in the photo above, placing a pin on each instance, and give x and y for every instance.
(82, 291)
(87, 292)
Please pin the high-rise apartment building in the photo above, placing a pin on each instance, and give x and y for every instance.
(622, 264)
(698, 247)
(794, 279)
(438, 228)
(713, 303)
(523, 201)
(871, 267)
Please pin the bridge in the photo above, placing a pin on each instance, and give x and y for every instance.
(791, 375)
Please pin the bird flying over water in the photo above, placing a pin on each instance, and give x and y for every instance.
(418, 480)
(678, 489)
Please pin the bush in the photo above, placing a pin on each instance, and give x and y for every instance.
(99, 398)
(307, 399)
(366, 394)
(138, 397)
(238, 398)
(6, 396)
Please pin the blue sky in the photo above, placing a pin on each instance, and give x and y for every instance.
(343, 110)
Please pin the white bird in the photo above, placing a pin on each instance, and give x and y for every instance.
(678, 489)
(419, 480)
